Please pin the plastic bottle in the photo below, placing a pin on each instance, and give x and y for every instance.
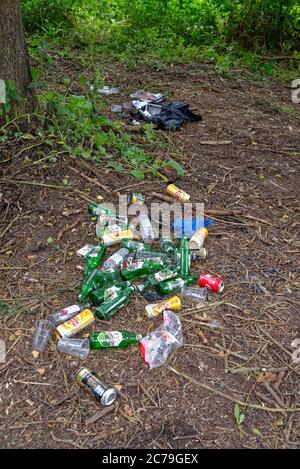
(147, 232)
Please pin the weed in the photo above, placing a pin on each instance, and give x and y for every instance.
(239, 418)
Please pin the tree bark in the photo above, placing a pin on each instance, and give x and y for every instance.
(14, 61)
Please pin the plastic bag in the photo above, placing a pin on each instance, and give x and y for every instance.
(157, 346)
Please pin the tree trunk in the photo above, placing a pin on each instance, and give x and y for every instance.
(14, 61)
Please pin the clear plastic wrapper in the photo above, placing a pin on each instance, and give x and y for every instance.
(157, 346)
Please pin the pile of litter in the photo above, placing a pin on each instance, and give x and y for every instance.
(151, 107)
(136, 268)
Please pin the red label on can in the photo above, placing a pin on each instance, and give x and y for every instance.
(211, 282)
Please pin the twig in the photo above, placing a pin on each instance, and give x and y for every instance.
(99, 414)
(50, 186)
(92, 180)
(231, 398)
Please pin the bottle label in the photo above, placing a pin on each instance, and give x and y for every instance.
(164, 275)
(85, 250)
(111, 338)
(111, 238)
(69, 310)
(179, 282)
(94, 252)
(116, 258)
(111, 293)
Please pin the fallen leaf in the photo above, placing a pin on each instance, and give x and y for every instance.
(278, 423)
(118, 387)
(35, 353)
(40, 371)
(12, 338)
(266, 377)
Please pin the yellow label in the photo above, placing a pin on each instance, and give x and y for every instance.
(173, 303)
(178, 193)
(73, 325)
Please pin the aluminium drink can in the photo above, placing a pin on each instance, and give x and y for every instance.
(103, 393)
(177, 193)
(75, 324)
(212, 282)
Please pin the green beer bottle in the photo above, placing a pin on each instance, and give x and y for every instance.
(113, 339)
(145, 255)
(185, 260)
(95, 280)
(94, 258)
(140, 269)
(167, 246)
(111, 306)
(99, 209)
(156, 278)
(134, 245)
(175, 285)
(102, 294)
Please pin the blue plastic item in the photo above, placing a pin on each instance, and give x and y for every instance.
(189, 227)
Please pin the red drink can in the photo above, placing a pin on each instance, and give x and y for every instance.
(211, 282)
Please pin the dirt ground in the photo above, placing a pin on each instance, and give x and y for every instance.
(243, 156)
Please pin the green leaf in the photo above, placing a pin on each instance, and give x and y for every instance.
(256, 431)
(236, 412)
(35, 73)
(137, 173)
(173, 164)
(83, 80)
(115, 165)
(50, 240)
(100, 140)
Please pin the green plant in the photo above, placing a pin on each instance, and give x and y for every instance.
(12, 96)
(83, 131)
(239, 418)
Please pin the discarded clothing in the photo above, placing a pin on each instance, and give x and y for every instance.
(168, 116)
(174, 115)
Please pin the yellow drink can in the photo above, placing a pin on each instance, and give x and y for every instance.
(173, 303)
(177, 193)
(75, 324)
